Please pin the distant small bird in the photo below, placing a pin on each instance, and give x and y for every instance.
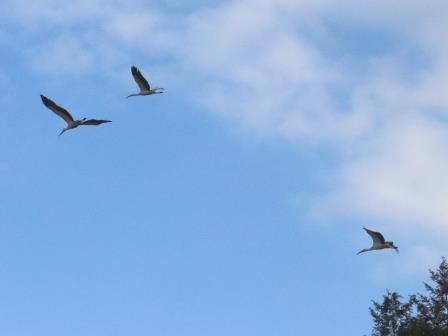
(145, 89)
(378, 242)
(64, 114)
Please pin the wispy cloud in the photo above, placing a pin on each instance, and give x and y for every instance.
(415, 261)
(65, 55)
(401, 176)
(268, 74)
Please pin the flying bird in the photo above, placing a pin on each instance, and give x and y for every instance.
(145, 89)
(379, 242)
(64, 114)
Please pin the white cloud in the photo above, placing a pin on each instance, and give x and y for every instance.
(415, 261)
(264, 74)
(421, 259)
(66, 55)
(268, 76)
(399, 177)
(131, 27)
(35, 14)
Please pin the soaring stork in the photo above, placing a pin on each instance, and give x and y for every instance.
(64, 114)
(145, 89)
(378, 242)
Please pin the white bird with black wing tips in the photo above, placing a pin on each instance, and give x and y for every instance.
(145, 89)
(64, 114)
(379, 242)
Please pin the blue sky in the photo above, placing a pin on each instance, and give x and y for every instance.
(233, 203)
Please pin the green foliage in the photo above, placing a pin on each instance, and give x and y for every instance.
(421, 315)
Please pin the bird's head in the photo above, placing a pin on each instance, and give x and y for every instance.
(391, 245)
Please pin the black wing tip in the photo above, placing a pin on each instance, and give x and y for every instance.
(95, 122)
(46, 100)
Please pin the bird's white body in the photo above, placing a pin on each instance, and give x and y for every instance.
(71, 125)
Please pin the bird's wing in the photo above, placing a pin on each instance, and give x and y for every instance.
(139, 79)
(376, 236)
(63, 113)
(95, 122)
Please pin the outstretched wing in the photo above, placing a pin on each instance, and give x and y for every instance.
(95, 122)
(376, 236)
(139, 79)
(63, 113)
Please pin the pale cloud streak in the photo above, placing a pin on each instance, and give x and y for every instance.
(63, 56)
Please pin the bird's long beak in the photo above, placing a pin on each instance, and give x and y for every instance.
(396, 249)
(62, 132)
